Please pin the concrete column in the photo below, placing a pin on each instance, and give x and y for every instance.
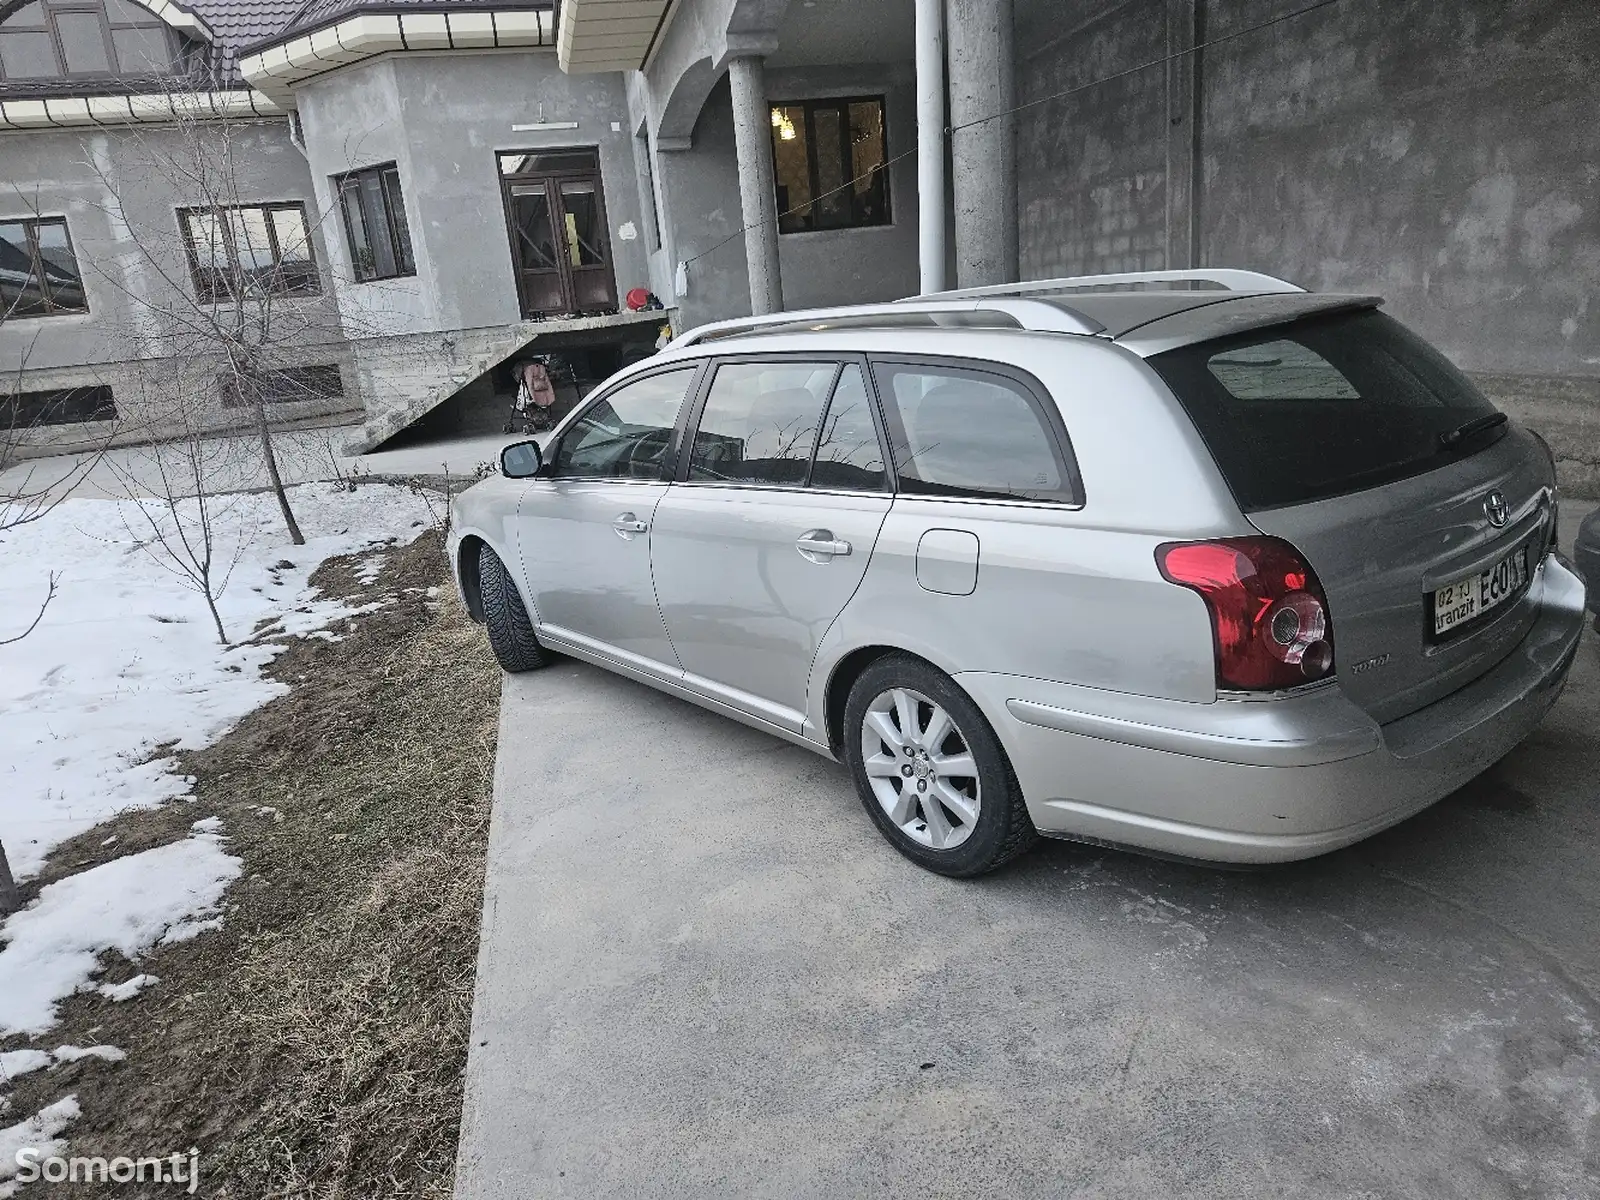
(1183, 136)
(752, 137)
(931, 192)
(983, 157)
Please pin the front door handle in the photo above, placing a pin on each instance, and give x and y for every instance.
(820, 546)
(627, 524)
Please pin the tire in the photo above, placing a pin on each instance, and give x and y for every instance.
(511, 634)
(978, 819)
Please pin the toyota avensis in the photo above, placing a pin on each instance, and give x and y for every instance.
(1238, 573)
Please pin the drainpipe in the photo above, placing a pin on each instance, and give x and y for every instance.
(930, 145)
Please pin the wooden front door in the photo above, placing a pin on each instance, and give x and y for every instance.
(560, 244)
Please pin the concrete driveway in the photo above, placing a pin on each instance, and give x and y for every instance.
(704, 974)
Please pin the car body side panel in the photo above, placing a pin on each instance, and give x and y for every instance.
(745, 609)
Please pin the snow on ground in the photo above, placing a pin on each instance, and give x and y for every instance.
(39, 1132)
(125, 661)
(126, 658)
(168, 894)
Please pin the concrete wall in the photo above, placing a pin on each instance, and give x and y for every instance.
(120, 201)
(1440, 155)
(442, 118)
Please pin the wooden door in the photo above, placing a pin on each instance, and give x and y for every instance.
(561, 247)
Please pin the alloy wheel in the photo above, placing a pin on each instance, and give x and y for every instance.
(920, 768)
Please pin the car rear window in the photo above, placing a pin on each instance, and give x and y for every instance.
(1321, 407)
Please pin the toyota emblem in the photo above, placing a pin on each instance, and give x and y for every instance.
(1494, 507)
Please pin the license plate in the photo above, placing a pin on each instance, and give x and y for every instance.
(1473, 595)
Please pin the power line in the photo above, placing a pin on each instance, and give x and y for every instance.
(1062, 95)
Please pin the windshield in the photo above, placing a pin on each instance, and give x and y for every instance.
(1323, 406)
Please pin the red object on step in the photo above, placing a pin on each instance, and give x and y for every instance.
(638, 298)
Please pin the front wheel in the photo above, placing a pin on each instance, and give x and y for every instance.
(511, 635)
(931, 772)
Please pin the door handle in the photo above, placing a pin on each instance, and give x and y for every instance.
(820, 546)
(627, 524)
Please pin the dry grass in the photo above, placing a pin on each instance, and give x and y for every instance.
(314, 1046)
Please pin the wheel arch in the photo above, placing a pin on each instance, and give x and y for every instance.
(843, 677)
(467, 572)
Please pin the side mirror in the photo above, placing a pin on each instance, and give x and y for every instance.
(521, 460)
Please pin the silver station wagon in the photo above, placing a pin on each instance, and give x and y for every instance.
(1196, 563)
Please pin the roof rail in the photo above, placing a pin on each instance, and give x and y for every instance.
(996, 312)
(1225, 277)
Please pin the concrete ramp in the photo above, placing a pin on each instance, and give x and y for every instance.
(404, 377)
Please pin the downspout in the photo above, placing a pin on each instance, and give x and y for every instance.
(930, 146)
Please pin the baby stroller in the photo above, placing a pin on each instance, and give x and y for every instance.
(532, 410)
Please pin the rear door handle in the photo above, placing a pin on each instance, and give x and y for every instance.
(627, 524)
(820, 546)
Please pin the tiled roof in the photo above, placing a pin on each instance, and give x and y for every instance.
(242, 22)
(310, 15)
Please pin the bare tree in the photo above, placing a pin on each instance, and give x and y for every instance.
(180, 509)
(235, 287)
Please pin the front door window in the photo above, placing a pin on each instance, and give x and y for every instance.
(561, 250)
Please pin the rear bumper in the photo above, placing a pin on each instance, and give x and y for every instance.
(1268, 781)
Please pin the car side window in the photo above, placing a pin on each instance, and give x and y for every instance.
(760, 422)
(626, 435)
(969, 433)
(848, 454)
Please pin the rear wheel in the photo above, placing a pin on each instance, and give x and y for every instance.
(931, 772)
(511, 633)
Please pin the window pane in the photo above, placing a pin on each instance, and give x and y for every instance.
(296, 268)
(29, 16)
(760, 422)
(20, 294)
(83, 40)
(585, 236)
(67, 406)
(377, 227)
(62, 280)
(533, 163)
(869, 152)
(626, 435)
(536, 246)
(27, 55)
(397, 216)
(142, 50)
(204, 231)
(847, 452)
(967, 433)
(828, 148)
(362, 262)
(792, 167)
(252, 248)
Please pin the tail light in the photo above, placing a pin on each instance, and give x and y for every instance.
(1269, 613)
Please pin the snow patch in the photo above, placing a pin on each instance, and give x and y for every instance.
(118, 992)
(129, 904)
(66, 1054)
(16, 1063)
(40, 1132)
(108, 676)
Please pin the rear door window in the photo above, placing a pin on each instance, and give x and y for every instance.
(760, 422)
(1321, 407)
(848, 454)
(970, 433)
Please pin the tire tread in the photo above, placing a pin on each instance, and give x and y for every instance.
(511, 634)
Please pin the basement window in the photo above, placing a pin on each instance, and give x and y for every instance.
(828, 159)
(286, 385)
(375, 223)
(62, 406)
